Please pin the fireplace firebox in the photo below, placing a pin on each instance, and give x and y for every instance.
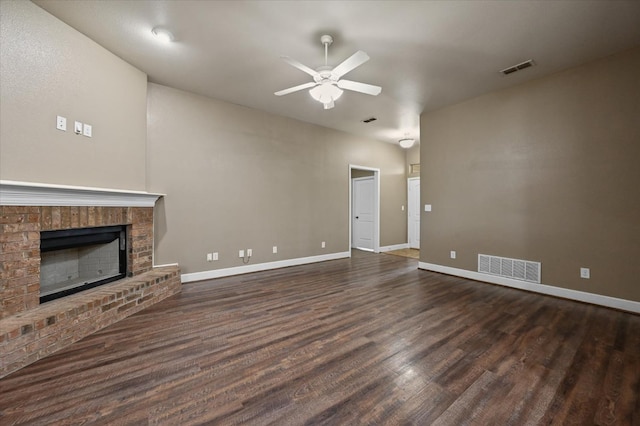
(73, 260)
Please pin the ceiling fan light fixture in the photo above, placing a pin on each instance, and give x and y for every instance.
(326, 93)
(406, 142)
(162, 34)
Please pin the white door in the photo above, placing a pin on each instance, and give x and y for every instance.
(414, 212)
(363, 211)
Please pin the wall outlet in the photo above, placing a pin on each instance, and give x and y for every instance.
(402, 208)
(453, 254)
(249, 252)
(324, 244)
(209, 257)
(61, 123)
(427, 207)
(215, 256)
(275, 249)
(241, 254)
(585, 273)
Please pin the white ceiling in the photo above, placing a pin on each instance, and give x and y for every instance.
(424, 54)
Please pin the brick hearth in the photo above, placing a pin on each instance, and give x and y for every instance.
(30, 331)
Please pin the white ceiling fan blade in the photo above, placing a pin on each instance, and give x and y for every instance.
(300, 66)
(295, 89)
(368, 89)
(350, 63)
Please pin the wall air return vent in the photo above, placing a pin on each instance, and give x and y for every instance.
(523, 270)
(518, 67)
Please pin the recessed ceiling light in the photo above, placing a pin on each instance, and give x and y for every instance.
(162, 34)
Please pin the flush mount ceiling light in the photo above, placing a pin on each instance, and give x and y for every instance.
(162, 34)
(406, 142)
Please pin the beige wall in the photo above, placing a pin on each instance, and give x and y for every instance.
(546, 171)
(239, 178)
(49, 69)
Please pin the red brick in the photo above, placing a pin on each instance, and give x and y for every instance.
(56, 218)
(46, 218)
(20, 209)
(40, 324)
(19, 246)
(13, 333)
(23, 282)
(83, 216)
(13, 236)
(20, 227)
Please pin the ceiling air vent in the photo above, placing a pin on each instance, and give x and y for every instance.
(518, 67)
(369, 120)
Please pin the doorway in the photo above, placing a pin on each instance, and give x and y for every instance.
(413, 212)
(364, 208)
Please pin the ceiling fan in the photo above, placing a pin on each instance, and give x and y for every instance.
(327, 85)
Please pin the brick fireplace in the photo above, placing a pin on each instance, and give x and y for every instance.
(30, 330)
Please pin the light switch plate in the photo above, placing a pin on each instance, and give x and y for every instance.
(77, 128)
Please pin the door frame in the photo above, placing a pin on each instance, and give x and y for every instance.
(376, 206)
(409, 208)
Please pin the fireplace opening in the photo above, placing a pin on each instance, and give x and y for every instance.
(73, 260)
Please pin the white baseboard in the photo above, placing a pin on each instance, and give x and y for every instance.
(596, 299)
(244, 269)
(394, 247)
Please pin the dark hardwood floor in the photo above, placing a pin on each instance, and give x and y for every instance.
(367, 340)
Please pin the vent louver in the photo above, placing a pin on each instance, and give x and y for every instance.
(523, 270)
(518, 67)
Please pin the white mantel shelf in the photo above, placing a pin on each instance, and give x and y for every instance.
(14, 193)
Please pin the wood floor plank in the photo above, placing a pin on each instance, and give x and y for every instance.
(366, 340)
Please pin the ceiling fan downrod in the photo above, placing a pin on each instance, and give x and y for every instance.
(326, 40)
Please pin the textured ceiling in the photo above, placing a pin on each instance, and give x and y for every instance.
(424, 54)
